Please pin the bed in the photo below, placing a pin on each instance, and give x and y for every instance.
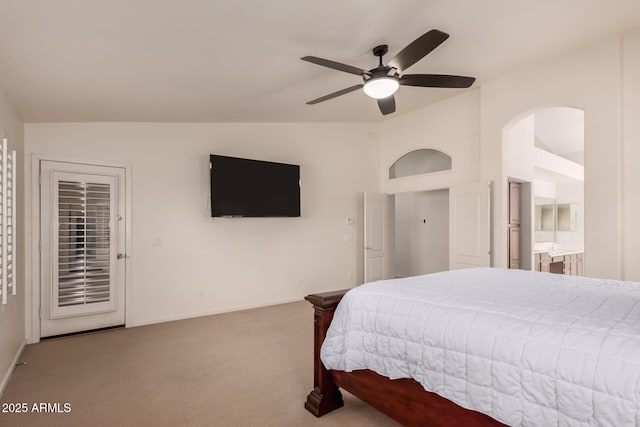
(482, 347)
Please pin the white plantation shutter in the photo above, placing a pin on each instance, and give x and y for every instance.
(7, 221)
(84, 242)
(10, 220)
(3, 192)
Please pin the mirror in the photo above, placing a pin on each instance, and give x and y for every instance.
(551, 218)
(545, 220)
(567, 217)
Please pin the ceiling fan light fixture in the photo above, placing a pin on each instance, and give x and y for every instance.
(383, 81)
(381, 87)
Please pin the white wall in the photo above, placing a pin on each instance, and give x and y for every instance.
(544, 189)
(631, 155)
(451, 126)
(572, 193)
(588, 79)
(518, 149)
(211, 265)
(12, 325)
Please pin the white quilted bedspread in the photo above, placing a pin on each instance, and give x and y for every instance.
(532, 349)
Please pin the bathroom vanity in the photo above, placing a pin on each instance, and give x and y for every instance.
(570, 263)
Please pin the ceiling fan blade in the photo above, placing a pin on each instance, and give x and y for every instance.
(417, 49)
(335, 65)
(436, 80)
(387, 105)
(335, 94)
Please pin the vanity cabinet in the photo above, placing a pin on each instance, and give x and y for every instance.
(558, 265)
(570, 264)
(542, 261)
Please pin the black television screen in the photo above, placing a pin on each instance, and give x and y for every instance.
(253, 188)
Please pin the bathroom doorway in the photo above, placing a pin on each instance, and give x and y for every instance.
(546, 150)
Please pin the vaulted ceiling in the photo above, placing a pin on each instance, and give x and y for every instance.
(560, 130)
(238, 61)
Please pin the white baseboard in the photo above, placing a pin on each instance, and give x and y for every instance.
(7, 375)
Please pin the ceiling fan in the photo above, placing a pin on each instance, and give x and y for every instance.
(383, 81)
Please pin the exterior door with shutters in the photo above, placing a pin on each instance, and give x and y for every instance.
(82, 244)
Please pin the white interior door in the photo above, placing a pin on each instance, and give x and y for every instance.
(378, 236)
(469, 226)
(82, 242)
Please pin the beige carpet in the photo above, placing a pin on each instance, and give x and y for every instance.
(248, 368)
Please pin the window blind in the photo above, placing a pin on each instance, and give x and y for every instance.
(7, 221)
(83, 243)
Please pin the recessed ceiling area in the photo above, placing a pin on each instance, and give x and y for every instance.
(217, 61)
(560, 130)
(550, 176)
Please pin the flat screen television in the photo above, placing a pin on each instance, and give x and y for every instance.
(253, 188)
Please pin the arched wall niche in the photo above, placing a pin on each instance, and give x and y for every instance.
(420, 161)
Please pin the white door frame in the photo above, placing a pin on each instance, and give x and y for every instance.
(32, 293)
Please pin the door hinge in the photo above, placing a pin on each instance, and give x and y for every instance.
(39, 245)
(39, 179)
(40, 312)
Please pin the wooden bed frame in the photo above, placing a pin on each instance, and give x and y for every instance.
(404, 400)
